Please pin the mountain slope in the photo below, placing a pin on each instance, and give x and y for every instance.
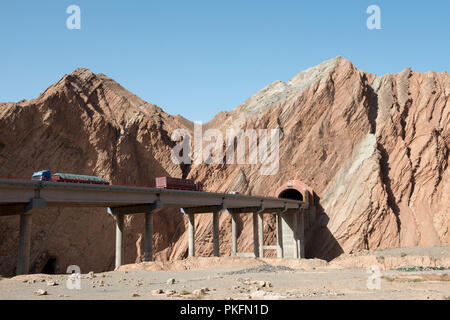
(86, 124)
(374, 149)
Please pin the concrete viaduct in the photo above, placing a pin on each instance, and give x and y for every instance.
(26, 197)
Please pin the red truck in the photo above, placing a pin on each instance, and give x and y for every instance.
(180, 184)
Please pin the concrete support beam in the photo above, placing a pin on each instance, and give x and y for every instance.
(255, 235)
(296, 246)
(119, 239)
(265, 210)
(23, 257)
(289, 233)
(36, 205)
(191, 234)
(148, 239)
(280, 252)
(202, 209)
(141, 208)
(216, 233)
(233, 235)
(261, 235)
(300, 238)
(244, 210)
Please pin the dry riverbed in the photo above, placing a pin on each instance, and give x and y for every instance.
(405, 273)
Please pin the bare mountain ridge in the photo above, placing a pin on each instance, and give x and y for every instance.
(85, 123)
(374, 149)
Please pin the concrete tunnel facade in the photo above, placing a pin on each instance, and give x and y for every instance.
(296, 190)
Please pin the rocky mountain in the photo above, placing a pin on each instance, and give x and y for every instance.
(374, 149)
(86, 124)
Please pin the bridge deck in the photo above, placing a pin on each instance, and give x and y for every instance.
(26, 197)
(56, 194)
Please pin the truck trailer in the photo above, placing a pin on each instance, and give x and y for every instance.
(179, 184)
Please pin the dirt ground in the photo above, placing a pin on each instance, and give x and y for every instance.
(401, 273)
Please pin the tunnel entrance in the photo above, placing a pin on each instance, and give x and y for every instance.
(50, 266)
(296, 190)
(293, 194)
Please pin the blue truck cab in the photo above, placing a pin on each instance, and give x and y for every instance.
(44, 175)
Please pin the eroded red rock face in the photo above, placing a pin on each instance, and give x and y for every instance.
(86, 124)
(374, 149)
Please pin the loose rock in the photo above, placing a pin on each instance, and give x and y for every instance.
(157, 291)
(198, 292)
(170, 292)
(40, 292)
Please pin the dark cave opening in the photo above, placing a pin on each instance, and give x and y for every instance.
(50, 266)
(291, 194)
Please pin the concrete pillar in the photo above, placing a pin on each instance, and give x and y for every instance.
(280, 252)
(289, 235)
(119, 239)
(233, 235)
(261, 235)
(23, 257)
(148, 239)
(301, 233)
(216, 233)
(191, 234)
(255, 235)
(296, 246)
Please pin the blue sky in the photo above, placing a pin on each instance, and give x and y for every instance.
(196, 58)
